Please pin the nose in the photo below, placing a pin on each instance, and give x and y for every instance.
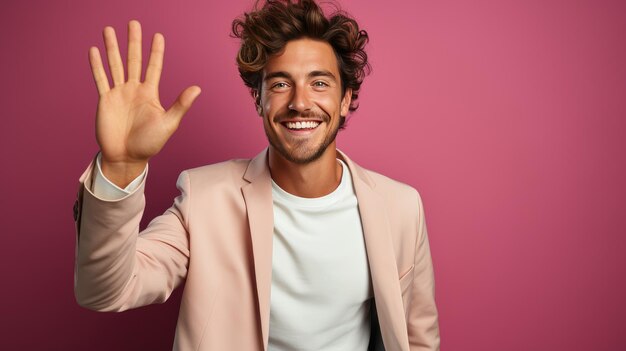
(299, 100)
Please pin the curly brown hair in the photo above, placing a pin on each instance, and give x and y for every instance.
(266, 30)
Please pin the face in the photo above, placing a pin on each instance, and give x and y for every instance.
(301, 100)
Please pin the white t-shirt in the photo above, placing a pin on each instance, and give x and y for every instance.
(321, 288)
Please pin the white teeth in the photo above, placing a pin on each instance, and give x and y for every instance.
(302, 125)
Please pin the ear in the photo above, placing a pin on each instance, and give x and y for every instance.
(345, 102)
(257, 101)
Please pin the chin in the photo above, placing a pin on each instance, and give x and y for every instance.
(298, 155)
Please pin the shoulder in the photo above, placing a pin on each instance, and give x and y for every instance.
(403, 201)
(218, 174)
(393, 190)
(389, 189)
(228, 168)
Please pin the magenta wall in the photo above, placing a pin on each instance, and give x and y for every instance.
(508, 116)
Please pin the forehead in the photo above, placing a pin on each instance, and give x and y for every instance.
(301, 56)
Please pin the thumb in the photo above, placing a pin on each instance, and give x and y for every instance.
(183, 103)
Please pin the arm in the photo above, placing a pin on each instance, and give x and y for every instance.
(422, 318)
(118, 268)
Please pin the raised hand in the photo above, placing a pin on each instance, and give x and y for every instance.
(131, 124)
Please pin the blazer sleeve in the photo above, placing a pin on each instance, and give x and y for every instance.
(422, 315)
(117, 267)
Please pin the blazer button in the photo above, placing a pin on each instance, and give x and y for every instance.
(75, 210)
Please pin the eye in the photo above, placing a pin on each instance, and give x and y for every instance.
(280, 85)
(319, 83)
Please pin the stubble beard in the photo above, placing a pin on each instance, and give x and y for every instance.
(301, 154)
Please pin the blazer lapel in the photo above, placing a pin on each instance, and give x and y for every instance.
(258, 198)
(381, 256)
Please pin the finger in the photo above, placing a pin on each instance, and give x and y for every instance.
(182, 104)
(155, 62)
(113, 55)
(134, 51)
(97, 69)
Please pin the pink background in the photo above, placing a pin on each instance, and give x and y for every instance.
(507, 116)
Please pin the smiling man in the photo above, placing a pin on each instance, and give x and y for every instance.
(297, 249)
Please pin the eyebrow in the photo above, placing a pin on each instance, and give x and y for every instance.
(283, 74)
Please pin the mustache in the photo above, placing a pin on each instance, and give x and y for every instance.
(309, 114)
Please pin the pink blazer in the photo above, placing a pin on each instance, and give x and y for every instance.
(217, 238)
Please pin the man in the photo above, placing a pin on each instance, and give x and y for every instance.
(296, 249)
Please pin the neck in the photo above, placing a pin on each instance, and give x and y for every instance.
(314, 179)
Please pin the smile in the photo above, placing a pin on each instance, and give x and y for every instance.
(307, 125)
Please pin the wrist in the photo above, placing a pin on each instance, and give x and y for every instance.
(122, 173)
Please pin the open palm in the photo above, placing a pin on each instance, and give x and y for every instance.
(131, 123)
